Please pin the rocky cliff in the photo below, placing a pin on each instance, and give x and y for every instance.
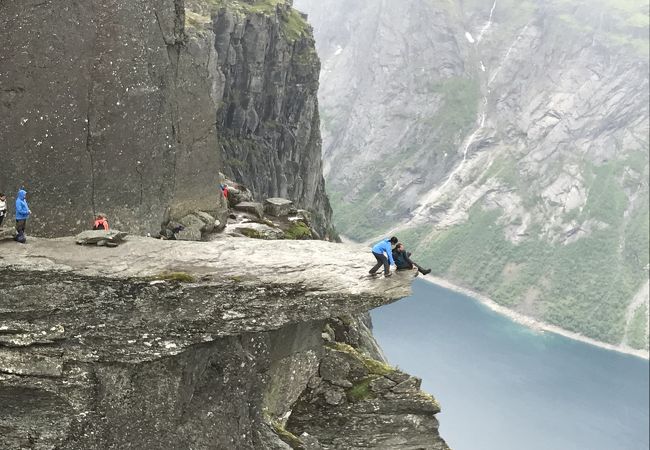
(133, 108)
(168, 344)
(508, 143)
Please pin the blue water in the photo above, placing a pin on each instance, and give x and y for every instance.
(503, 386)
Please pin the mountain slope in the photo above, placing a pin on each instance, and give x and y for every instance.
(506, 143)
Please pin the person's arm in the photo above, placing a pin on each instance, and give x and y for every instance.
(389, 252)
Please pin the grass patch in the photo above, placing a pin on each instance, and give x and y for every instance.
(298, 231)
(251, 233)
(373, 366)
(361, 390)
(288, 437)
(181, 277)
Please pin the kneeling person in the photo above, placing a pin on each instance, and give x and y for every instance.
(403, 260)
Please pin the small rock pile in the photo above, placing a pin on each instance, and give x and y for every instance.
(100, 238)
(196, 226)
(275, 218)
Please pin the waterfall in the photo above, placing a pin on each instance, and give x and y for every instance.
(488, 24)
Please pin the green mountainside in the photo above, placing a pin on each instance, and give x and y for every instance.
(506, 143)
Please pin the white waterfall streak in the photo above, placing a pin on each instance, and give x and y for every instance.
(507, 55)
(488, 24)
(438, 191)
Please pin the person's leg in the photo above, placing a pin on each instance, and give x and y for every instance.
(2, 218)
(421, 270)
(20, 231)
(414, 264)
(408, 266)
(378, 265)
(386, 264)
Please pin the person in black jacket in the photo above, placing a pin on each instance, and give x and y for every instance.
(403, 260)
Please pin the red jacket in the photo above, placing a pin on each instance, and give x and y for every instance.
(101, 224)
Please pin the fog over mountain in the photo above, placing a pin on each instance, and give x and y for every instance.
(505, 142)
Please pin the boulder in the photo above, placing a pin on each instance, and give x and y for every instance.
(194, 226)
(238, 194)
(277, 207)
(253, 208)
(199, 220)
(188, 234)
(101, 238)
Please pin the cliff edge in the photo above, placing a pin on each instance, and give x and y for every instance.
(235, 343)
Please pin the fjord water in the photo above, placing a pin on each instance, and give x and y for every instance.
(503, 386)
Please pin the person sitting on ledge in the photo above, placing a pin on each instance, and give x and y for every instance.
(403, 260)
(101, 223)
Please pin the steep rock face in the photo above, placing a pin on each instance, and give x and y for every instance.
(268, 117)
(107, 107)
(102, 348)
(531, 152)
(133, 109)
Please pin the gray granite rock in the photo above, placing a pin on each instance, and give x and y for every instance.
(118, 346)
(253, 208)
(371, 413)
(100, 237)
(277, 207)
(124, 129)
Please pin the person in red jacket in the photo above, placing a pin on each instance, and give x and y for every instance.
(101, 223)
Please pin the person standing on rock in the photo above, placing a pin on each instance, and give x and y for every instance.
(383, 253)
(403, 260)
(22, 213)
(3, 207)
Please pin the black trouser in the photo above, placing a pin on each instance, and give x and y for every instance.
(20, 226)
(2, 219)
(381, 261)
(410, 264)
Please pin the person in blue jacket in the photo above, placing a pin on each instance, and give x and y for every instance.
(383, 253)
(22, 213)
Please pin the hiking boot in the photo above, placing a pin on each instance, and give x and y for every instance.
(426, 271)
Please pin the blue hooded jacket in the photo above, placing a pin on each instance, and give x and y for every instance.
(22, 209)
(384, 247)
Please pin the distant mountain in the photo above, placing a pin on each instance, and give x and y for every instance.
(506, 143)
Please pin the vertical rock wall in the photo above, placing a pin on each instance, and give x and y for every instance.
(127, 108)
(268, 118)
(104, 107)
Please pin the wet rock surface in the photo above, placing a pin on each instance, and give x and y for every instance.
(170, 344)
